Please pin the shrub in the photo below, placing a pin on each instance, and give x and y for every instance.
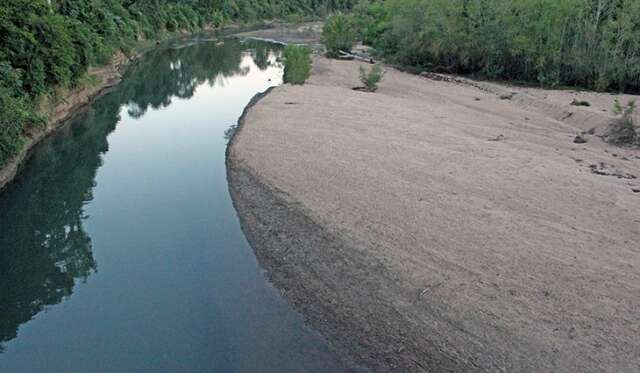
(371, 21)
(580, 103)
(338, 34)
(622, 130)
(297, 64)
(371, 78)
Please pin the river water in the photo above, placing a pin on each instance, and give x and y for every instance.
(120, 249)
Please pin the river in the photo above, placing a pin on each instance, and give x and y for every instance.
(120, 249)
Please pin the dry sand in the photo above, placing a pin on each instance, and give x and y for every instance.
(415, 242)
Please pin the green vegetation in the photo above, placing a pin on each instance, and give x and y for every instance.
(622, 130)
(15, 113)
(624, 110)
(588, 43)
(46, 45)
(371, 78)
(297, 64)
(338, 34)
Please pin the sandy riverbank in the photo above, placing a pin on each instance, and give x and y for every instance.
(435, 226)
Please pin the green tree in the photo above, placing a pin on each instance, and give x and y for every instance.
(589, 43)
(338, 34)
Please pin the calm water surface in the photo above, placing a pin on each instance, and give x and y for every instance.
(120, 250)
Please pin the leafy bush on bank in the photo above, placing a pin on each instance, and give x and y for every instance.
(338, 34)
(297, 64)
(371, 78)
(622, 130)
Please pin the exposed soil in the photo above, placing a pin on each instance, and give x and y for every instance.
(442, 224)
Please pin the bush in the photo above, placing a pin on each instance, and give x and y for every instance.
(297, 64)
(371, 21)
(622, 130)
(338, 34)
(371, 78)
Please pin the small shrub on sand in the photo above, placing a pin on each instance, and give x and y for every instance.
(338, 34)
(297, 64)
(371, 78)
(580, 103)
(622, 130)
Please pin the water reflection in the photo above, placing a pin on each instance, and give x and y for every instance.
(44, 249)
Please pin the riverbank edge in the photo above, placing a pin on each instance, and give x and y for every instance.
(295, 250)
(262, 212)
(67, 107)
(77, 99)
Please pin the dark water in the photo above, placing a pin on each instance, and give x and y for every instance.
(120, 250)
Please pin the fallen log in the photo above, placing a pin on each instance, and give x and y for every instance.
(342, 55)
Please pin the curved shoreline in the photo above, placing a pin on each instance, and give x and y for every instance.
(294, 249)
(451, 273)
(360, 333)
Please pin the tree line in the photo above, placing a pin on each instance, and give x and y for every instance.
(594, 44)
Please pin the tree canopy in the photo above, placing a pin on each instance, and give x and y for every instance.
(593, 44)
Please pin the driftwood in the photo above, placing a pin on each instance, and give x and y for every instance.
(350, 56)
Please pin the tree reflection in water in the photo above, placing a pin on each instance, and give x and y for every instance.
(44, 249)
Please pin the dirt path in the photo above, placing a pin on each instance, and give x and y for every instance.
(435, 226)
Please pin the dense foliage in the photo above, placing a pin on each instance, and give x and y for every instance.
(297, 64)
(589, 43)
(338, 34)
(49, 44)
